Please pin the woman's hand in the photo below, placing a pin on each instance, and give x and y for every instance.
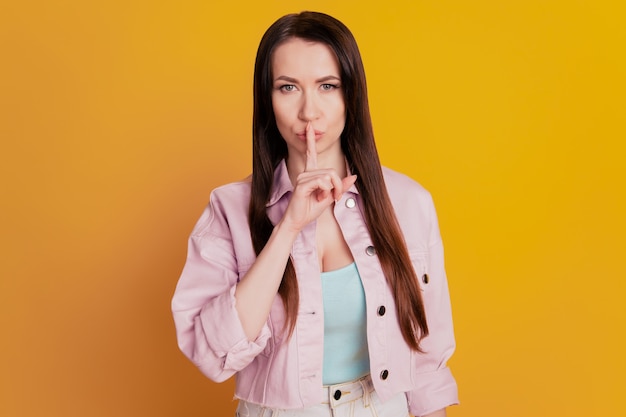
(315, 189)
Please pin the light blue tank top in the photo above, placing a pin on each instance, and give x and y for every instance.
(345, 333)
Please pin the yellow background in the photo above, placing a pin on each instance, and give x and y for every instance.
(117, 118)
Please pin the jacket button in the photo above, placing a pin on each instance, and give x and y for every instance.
(350, 203)
(425, 279)
(370, 250)
(337, 395)
(384, 374)
(381, 310)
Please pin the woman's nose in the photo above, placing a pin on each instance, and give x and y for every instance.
(309, 108)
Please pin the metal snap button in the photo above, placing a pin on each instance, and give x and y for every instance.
(337, 395)
(381, 310)
(370, 250)
(350, 203)
(384, 374)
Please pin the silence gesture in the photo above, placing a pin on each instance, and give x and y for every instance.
(315, 188)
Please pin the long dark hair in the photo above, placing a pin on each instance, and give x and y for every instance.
(357, 143)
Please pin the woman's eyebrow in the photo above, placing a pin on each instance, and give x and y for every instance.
(328, 78)
(285, 78)
(319, 80)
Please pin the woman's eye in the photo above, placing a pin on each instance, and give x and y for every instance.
(328, 87)
(287, 88)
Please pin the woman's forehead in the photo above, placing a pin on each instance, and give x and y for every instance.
(302, 56)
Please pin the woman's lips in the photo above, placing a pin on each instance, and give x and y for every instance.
(302, 135)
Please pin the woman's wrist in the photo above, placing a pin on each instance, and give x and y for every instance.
(287, 229)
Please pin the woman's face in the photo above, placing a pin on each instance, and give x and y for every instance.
(307, 88)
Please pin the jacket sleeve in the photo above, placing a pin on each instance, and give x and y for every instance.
(208, 328)
(434, 386)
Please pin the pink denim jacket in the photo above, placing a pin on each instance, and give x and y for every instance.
(287, 373)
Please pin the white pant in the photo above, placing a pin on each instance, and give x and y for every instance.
(350, 399)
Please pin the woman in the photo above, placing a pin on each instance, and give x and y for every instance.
(319, 281)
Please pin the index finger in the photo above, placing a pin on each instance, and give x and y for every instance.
(311, 152)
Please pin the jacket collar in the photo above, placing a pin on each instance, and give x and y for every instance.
(281, 185)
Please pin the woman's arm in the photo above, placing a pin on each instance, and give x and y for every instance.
(256, 292)
(221, 316)
(315, 190)
(435, 388)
